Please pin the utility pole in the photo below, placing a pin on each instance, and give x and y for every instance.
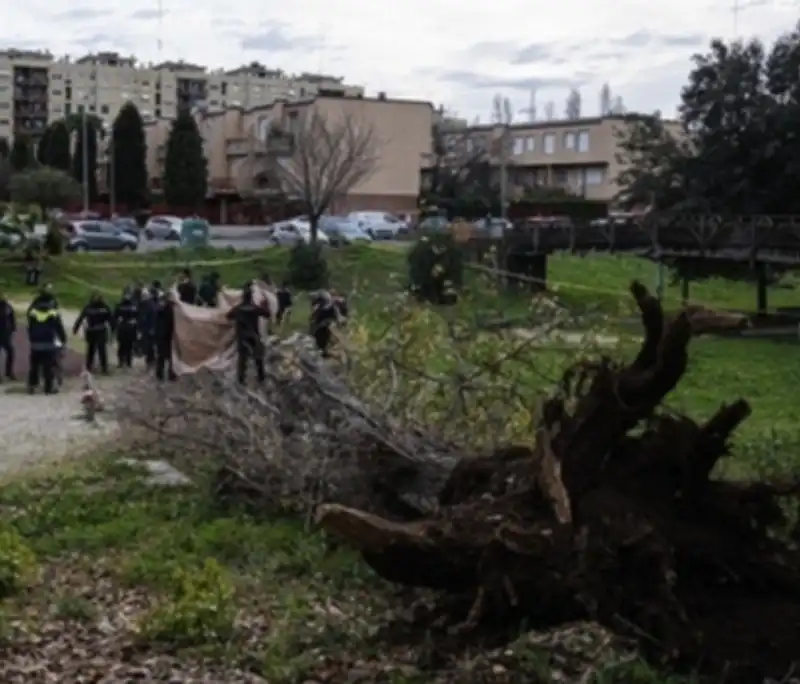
(84, 160)
(112, 172)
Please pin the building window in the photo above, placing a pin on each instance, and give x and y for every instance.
(519, 145)
(594, 176)
(67, 109)
(5, 105)
(81, 109)
(68, 93)
(583, 141)
(569, 141)
(5, 122)
(104, 109)
(224, 88)
(54, 92)
(158, 112)
(56, 77)
(92, 108)
(550, 143)
(530, 143)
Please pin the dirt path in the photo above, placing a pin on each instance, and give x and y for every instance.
(47, 427)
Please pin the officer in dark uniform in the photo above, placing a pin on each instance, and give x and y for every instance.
(324, 314)
(46, 335)
(164, 332)
(8, 326)
(208, 293)
(187, 290)
(284, 295)
(147, 327)
(99, 321)
(126, 323)
(246, 317)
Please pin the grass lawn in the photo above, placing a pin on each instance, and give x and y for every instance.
(100, 571)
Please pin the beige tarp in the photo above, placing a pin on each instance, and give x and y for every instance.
(204, 337)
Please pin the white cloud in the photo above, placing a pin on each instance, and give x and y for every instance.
(410, 48)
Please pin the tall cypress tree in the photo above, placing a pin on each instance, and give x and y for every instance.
(43, 147)
(5, 149)
(90, 142)
(21, 153)
(185, 164)
(129, 155)
(58, 153)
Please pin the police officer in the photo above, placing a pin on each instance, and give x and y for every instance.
(99, 321)
(46, 335)
(8, 326)
(246, 317)
(208, 293)
(187, 290)
(147, 327)
(324, 314)
(284, 295)
(164, 331)
(126, 323)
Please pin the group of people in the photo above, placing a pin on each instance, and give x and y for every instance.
(143, 322)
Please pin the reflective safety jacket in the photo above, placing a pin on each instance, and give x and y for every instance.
(45, 328)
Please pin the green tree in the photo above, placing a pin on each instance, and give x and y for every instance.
(86, 147)
(21, 156)
(58, 152)
(129, 157)
(185, 164)
(5, 150)
(43, 148)
(45, 187)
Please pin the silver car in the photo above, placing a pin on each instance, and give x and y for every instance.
(163, 228)
(100, 236)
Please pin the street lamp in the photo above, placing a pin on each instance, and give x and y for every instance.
(111, 171)
(84, 158)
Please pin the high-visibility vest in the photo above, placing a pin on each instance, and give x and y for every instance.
(43, 316)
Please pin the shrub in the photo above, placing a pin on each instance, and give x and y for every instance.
(308, 268)
(200, 611)
(18, 566)
(54, 241)
(435, 268)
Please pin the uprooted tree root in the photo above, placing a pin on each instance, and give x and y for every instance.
(601, 522)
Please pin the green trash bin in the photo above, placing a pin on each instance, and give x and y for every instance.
(195, 233)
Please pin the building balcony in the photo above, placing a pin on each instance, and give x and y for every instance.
(278, 145)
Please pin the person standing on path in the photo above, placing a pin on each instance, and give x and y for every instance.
(187, 290)
(46, 335)
(126, 320)
(246, 317)
(99, 320)
(8, 326)
(164, 332)
(147, 327)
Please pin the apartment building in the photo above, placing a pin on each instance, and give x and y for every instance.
(36, 88)
(242, 145)
(580, 156)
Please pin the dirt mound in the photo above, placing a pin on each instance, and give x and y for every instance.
(71, 361)
(612, 517)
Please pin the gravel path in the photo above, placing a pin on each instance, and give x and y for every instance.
(46, 427)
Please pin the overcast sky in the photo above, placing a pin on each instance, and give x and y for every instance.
(458, 53)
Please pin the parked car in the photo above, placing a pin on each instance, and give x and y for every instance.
(495, 227)
(434, 224)
(289, 233)
(380, 225)
(99, 236)
(127, 224)
(163, 228)
(341, 231)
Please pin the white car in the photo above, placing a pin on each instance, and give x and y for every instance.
(289, 233)
(163, 228)
(379, 225)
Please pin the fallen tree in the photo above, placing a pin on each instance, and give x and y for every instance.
(603, 522)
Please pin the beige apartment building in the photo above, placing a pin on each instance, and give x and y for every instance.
(36, 88)
(242, 145)
(580, 156)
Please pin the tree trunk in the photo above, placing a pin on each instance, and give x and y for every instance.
(596, 522)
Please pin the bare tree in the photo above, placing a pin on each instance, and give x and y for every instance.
(605, 100)
(573, 109)
(550, 110)
(330, 156)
